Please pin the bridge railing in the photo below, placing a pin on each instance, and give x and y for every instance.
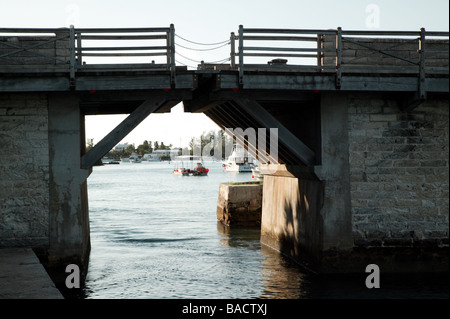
(22, 49)
(82, 50)
(341, 51)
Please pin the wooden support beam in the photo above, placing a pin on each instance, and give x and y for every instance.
(297, 147)
(122, 130)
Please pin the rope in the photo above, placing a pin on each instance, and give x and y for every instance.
(197, 61)
(215, 48)
(217, 45)
(198, 43)
(187, 58)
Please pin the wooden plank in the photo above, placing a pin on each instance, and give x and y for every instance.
(290, 31)
(34, 84)
(122, 130)
(124, 48)
(123, 82)
(123, 66)
(263, 95)
(121, 30)
(284, 55)
(280, 49)
(437, 85)
(123, 37)
(124, 54)
(294, 81)
(297, 147)
(379, 83)
(279, 38)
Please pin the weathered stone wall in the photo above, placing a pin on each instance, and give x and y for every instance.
(24, 170)
(399, 172)
(355, 54)
(382, 193)
(43, 50)
(291, 220)
(240, 204)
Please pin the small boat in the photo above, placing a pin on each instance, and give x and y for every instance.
(256, 174)
(181, 172)
(198, 170)
(135, 159)
(239, 161)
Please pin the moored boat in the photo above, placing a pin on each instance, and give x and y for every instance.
(135, 159)
(239, 161)
(200, 170)
(181, 170)
(257, 175)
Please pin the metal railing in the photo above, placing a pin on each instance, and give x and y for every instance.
(72, 47)
(326, 51)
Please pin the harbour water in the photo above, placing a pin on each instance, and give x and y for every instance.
(155, 235)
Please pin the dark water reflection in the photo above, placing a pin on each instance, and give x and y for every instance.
(282, 278)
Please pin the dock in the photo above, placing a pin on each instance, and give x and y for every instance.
(22, 276)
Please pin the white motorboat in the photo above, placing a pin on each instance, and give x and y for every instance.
(256, 174)
(239, 161)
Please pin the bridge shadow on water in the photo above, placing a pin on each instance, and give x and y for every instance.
(284, 278)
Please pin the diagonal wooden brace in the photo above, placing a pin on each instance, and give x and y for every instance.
(296, 146)
(122, 130)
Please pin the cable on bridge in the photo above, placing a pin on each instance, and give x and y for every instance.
(211, 49)
(198, 43)
(217, 45)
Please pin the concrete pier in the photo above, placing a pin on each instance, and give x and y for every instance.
(22, 276)
(379, 195)
(240, 204)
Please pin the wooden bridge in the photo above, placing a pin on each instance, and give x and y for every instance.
(326, 60)
(312, 85)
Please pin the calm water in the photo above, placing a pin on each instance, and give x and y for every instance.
(155, 235)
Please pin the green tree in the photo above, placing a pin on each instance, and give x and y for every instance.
(144, 148)
(129, 150)
(218, 138)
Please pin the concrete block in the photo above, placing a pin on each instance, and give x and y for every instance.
(239, 204)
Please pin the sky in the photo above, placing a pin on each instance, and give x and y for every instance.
(212, 21)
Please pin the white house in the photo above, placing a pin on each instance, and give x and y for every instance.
(156, 155)
(121, 147)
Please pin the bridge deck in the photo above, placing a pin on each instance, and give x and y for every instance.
(262, 80)
(67, 59)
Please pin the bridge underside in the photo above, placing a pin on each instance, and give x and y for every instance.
(309, 192)
(362, 163)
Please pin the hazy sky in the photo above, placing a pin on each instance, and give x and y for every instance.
(209, 21)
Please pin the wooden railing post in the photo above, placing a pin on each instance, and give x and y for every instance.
(241, 55)
(422, 89)
(233, 50)
(79, 49)
(171, 52)
(320, 50)
(72, 55)
(339, 58)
